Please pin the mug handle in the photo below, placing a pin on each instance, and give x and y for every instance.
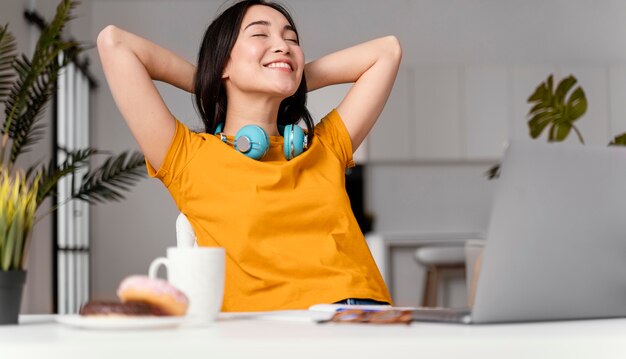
(154, 266)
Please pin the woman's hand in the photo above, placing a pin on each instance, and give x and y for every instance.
(130, 64)
(373, 67)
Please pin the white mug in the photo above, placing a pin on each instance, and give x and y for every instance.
(199, 273)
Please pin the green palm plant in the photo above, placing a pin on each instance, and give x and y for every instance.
(26, 86)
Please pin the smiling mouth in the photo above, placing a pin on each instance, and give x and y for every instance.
(279, 65)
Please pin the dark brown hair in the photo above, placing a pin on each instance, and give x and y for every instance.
(217, 44)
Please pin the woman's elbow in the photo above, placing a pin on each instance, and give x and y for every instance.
(108, 37)
(393, 47)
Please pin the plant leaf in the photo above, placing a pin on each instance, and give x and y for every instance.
(115, 174)
(493, 172)
(8, 46)
(554, 110)
(9, 246)
(561, 131)
(16, 217)
(577, 104)
(563, 88)
(51, 173)
(538, 123)
(619, 140)
(19, 222)
(35, 80)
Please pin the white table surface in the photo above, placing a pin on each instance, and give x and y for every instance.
(41, 337)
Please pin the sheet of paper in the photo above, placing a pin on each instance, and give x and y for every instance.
(332, 308)
(282, 315)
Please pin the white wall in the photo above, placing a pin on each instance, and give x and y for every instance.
(468, 67)
(467, 70)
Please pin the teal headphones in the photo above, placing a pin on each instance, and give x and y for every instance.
(252, 140)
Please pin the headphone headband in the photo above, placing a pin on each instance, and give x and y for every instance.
(252, 140)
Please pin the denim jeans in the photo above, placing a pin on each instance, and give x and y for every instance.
(360, 301)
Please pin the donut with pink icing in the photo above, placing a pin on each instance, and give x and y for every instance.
(156, 292)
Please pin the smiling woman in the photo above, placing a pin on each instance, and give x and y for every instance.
(268, 191)
(247, 77)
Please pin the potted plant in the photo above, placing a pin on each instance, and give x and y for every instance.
(554, 109)
(26, 85)
(18, 203)
(557, 110)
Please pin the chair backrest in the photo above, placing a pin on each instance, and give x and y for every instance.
(185, 236)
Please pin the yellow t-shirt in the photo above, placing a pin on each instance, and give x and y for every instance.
(290, 236)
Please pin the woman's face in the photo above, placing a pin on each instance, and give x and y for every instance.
(266, 57)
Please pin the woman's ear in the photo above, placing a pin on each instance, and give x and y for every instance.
(225, 72)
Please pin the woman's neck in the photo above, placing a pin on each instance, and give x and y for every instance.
(247, 110)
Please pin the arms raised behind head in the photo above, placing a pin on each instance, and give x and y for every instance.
(130, 64)
(373, 67)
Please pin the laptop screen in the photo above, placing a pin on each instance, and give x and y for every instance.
(556, 242)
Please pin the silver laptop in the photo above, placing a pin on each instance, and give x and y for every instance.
(556, 242)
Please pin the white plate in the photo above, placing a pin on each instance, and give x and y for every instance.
(94, 322)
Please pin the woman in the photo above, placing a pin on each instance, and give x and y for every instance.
(282, 214)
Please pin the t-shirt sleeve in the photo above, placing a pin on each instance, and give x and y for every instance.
(181, 151)
(333, 134)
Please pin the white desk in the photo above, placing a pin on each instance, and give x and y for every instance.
(39, 337)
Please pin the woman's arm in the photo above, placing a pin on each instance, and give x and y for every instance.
(373, 67)
(130, 64)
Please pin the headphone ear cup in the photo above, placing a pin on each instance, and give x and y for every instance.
(252, 141)
(294, 141)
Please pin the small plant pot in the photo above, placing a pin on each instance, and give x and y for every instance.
(11, 289)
